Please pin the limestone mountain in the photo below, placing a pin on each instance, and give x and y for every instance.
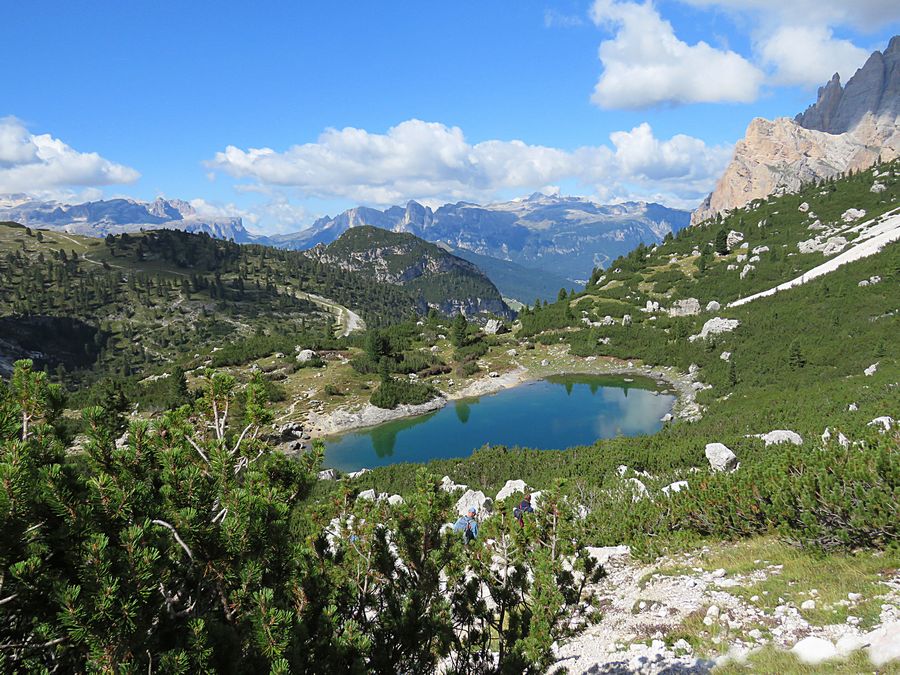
(437, 278)
(566, 236)
(115, 216)
(848, 128)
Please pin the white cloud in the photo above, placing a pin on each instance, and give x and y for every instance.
(434, 163)
(864, 14)
(43, 165)
(809, 55)
(645, 64)
(556, 19)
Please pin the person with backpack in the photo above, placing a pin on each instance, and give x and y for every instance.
(468, 526)
(523, 508)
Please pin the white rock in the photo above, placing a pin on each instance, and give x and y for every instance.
(475, 499)
(884, 644)
(356, 474)
(781, 436)
(328, 474)
(447, 485)
(677, 486)
(759, 250)
(434, 349)
(394, 500)
(603, 554)
(368, 495)
(685, 307)
(511, 487)
(545, 362)
(713, 306)
(803, 208)
(850, 215)
(305, 355)
(852, 407)
(814, 650)
(741, 258)
(854, 597)
(877, 187)
(734, 238)
(725, 356)
(843, 441)
(720, 457)
(732, 267)
(871, 370)
(492, 327)
(626, 320)
(719, 573)
(746, 271)
(493, 373)
(715, 326)
(693, 369)
(808, 604)
(885, 422)
(639, 490)
(512, 352)
(849, 643)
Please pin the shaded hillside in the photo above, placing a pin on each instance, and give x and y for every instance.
(439, 279)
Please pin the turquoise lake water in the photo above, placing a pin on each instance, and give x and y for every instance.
(556, 413)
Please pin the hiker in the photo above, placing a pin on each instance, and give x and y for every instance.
(468, 526)
(523, 508)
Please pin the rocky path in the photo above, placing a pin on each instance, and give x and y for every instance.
(646, 607)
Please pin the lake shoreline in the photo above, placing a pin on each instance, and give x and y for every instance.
(345, 419)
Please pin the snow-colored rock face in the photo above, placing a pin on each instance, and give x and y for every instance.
(473, 499)
(720, 457)
(814, 650)
(686, 307)
(511, 487)
(715, 326)
(781, 436)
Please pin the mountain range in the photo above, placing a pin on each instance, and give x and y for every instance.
(565, 236)
(530, 248)
(848, 128)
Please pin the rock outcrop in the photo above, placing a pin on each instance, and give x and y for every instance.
(848, 128)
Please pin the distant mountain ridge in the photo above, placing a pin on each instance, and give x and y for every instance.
(566, 236)
(847, 128)
(115, 216)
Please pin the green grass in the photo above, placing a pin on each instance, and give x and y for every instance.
(775, 661)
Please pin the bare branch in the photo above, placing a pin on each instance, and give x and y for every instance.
(9, 599)
(241, 439)
(197, 448)
(177, 538)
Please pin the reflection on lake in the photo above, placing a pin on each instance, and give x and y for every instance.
(559, 412)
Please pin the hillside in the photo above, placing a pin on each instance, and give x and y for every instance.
(441, 280)
(564, 236)
(134, 302)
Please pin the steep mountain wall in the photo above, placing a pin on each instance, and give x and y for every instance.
(848, 128)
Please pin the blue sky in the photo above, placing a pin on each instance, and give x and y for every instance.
(230, 105)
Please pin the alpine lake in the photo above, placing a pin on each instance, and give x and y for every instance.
(557, 412)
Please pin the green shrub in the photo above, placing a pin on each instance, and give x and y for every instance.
(392, 392)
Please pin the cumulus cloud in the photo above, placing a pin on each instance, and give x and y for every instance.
(645, 64)
(434, 163)
(809, 55)
(44, 165)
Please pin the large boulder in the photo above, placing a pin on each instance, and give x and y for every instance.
(885, 423)
(686, 307)
(494, 327)
(511, 487)
(473, 499)
(305, 355)
(447, 485)
(720, 457)
(328, 474)
(781, 436)
(734, 238)
(715, 326)
(677, 486)
(884, 644)
(814, 650)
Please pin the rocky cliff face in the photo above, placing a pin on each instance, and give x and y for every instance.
(847, 128)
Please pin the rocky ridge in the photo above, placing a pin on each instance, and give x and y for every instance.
(848, 128)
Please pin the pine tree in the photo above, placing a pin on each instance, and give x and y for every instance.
(721, 244)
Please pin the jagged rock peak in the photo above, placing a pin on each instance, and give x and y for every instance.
(849, 127)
